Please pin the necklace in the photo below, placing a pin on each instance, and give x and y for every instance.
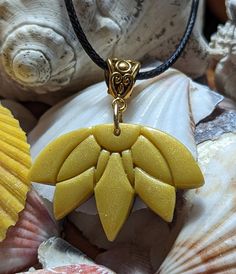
(114, 162)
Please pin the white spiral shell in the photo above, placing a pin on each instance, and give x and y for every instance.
(47, 60)
(42, 60)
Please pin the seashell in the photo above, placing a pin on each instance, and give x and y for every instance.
(223, 123)
(73, 269)
(230, 9)
(22, 114)
(206, 243)
(33, 55)
(126, 259)
(170, 102)
(20, 248)
(42, 60)
(15, 163)
(66, 259)
(223, 52)
(63, 254)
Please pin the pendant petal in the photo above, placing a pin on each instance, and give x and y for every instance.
(102, 163)
(83, 157)
(104, 134)
(72, 193)
(160, 197)
(128, 165)
(147, 157)
(185, 171)
(47, 165)
(114, 197)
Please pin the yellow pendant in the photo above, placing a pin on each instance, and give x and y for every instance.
(15, 163)
(116, 162)
(141, 161)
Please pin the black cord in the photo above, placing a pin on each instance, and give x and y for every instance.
(141, 75)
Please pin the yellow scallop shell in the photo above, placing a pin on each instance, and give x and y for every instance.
(141, 161)
(15, 163)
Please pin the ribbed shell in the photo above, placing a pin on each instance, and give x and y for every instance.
(15, 163)
(20, 248)
(207, 241)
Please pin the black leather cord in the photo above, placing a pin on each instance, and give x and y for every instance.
(141, 75)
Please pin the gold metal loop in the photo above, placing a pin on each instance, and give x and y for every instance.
(119, 106)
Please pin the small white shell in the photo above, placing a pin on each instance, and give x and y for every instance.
(223, 52)
(63, 254)
(206, 243)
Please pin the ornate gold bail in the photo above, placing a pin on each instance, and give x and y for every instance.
(120, 78)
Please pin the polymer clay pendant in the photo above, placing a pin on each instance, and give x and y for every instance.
(114, 162)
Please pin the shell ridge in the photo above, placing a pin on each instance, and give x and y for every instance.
(5, 118)
(13, 141)
(7, 207)
(9, 183)
(14, 166)
(5, 111)
(16, 169)
(219, 224)
(13, 153)
(12, 131)
(206, 257)
(210, 250)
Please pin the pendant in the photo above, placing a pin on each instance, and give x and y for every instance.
(114, 162)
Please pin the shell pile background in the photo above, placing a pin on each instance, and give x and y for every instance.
(42, 60)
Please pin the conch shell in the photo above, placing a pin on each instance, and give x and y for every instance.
(41, 58)
(15, 162)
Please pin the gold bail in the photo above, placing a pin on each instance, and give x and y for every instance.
(120, 78)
